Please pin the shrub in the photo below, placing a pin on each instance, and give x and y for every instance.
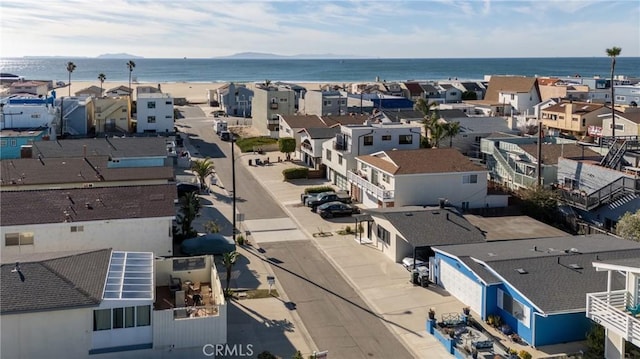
(247, 144)
(347, 229)
(318, 189)
(240, 240)
(524, 354)
(296, 172)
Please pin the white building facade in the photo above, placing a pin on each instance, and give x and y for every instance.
(155, 113)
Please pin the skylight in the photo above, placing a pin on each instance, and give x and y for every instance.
(521, 270)
(130, 276)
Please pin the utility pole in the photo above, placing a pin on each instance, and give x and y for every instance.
(539, 154)
(233, 183)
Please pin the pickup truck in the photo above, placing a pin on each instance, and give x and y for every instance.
(328, 197)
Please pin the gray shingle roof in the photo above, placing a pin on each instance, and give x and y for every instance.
(550, 283)
(430, 227)
(86, 204)
(114, 146)
(56, 170)
(59, 282)
(450, 114)
(320, 133)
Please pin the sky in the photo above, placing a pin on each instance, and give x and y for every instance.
(378, 29)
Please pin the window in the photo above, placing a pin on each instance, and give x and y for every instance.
(469, 179)
(405, 139)
(129, 317)
(584, 122)
(339, 159)
(385, 177)
(3, 143)
(13, 143)
(151, 104)
(168, 116)
(151, 119)
(326, 103)
(368, 140)
(124, 110)
(513, 97)
(570, 183)
(168, 103)
(383, 234)
(283, 100)
(101, 319)
(618, 126)
(328, 154)
(386, 137)
(513, 307)
(18, 239)
(77, 229)
(118, 318)
(143, 315)
(35, 116)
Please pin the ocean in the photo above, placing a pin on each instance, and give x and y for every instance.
(325, 70)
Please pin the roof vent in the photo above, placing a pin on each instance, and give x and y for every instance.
(521, 271)
(408, 214)
(575, 266)
(492, 254)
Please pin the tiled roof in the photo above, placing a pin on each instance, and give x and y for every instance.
(578, 107)
(431, 227)
(429, 160)
(414, 88)
(551, 152)
(59, 282)
(547, 81)
(56, 170)
(86, 204)
(550, 282)
(518, 84)
(114, 146)
(28, 83)
(429, 88)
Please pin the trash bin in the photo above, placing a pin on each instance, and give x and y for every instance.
(415, 275)
(250, 162)
(424, 281)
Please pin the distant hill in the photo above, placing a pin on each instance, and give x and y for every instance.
(118, 56)
(267, 56)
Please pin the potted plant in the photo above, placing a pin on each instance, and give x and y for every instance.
(432, 313)
(474, 353)
(466, 310)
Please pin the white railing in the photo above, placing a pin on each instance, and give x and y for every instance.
(376, 191)
(608, 310)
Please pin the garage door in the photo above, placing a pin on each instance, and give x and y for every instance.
(461, 287)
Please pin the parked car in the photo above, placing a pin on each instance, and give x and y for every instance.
(408, 263)
(185, 188)
(335, 209)
(306, 198)
(225, 135)
(329, 197)
(213, 243)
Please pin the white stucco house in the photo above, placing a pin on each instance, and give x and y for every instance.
(133, 218)
(339, 153)
(109, 304)
(155, 113)
(421, 177)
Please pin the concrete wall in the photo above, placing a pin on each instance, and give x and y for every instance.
(10, 146)
(137, 235)
(51, 334)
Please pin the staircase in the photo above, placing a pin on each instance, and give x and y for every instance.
(618, 190)
(617, 148)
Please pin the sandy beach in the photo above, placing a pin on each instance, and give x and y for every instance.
(194, 92)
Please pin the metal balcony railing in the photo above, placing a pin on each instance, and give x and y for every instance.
(609, 310)
(377, 191)
(608, 193)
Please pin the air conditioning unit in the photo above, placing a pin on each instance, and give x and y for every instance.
(87, 185)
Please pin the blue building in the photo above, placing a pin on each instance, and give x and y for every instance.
(14, 141)
(537, 286)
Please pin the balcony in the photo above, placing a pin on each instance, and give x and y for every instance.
(376, 191)
(340, 146)
(609, 310)
(273, 106)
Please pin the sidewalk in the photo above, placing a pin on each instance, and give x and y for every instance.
(265, 323)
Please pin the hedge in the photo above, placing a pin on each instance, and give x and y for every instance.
(296, 172)
(318, 189)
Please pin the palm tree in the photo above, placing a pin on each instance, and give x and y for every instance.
(229, 259)
(130, 65)
(452, 129)
(430, 112)
(438, 132)
(613, 53)
(203, 169)
(101, 77)
(189, 208)
(70, 67)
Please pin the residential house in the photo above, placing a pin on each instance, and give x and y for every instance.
(413, 90)
(627, 95)
(323, 103)
(627, 123)
(473, 129)
(154, 113)
(537, 286)
(311, 140)
(563, 90)
(392, 88)
(450, 93)
(471, 89)
(19, 143)
(91, 91)
(353, 140)
(28, 112)
(420, 177)
(508, 95)
(572, 118)
(617, 307)
(147, 89)
(112, 114)
(76, 172)
(464, 108)
(234, 99)
(109, 303)
(513, 161)
(119, 91)
(388, 102)
(268, 103)
(78, 115)
(130, 218)
(411, 231)
(432, 93)
(37, 88)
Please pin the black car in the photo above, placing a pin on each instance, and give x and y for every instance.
(185, 188)
(335, 209)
